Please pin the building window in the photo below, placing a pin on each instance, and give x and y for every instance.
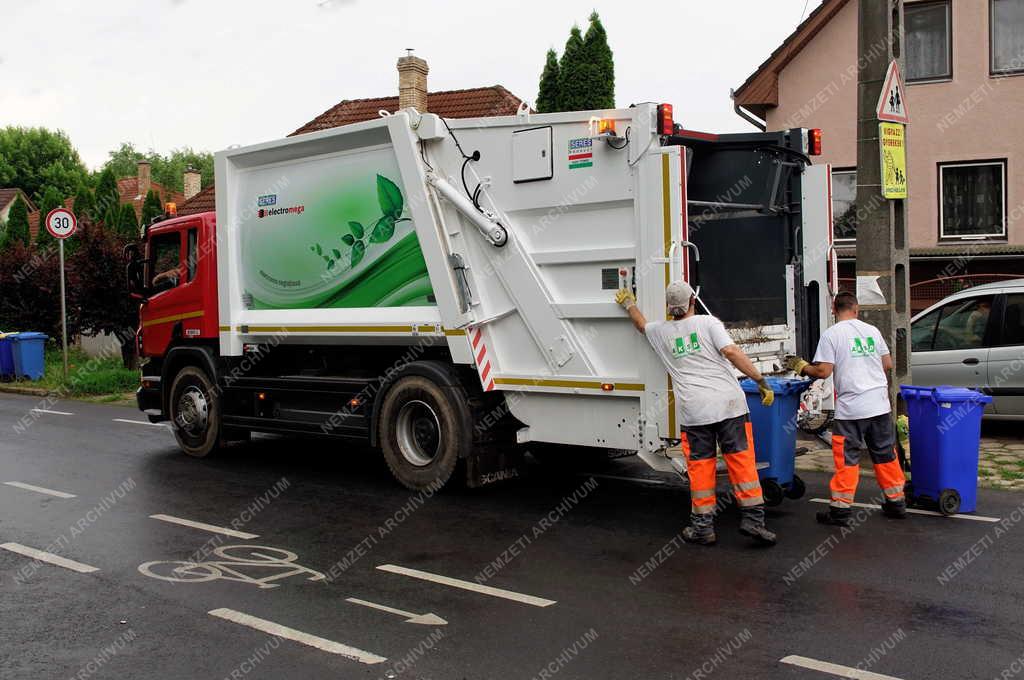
(972, 200)
(928, 43)
(1007, 36)
(844, 206)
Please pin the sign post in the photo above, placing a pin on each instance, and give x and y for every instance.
(61, 223)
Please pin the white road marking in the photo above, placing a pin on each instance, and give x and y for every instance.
(140, 422)
(425, 619)
(277, 629)
(467, 585)
(204, 526)
(916, 511)
(44, 556)
(834, 669)
(638, 480)
(40, 489)
(56, 413)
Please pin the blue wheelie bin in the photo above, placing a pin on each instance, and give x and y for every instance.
(6, 357)
(27, 349)
(775, 437)
(945, 433)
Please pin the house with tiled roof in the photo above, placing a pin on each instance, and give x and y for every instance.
(965, 145)
(475, 102)
(7, 198)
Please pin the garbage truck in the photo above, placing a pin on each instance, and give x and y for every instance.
(442, 290)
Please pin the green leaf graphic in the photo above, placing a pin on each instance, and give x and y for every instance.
(383, 230)
(357, 229)
(330, 264)
(337, 253)
(358, 250)
(390, 197)
(348, 239)
(318, 250)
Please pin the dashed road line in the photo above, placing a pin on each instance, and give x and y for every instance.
(140, 422)
(467, 585)
(916, 511)
(46, 410)
(204, 526)
(40, 489)
(50, 558)
(834, 669)
(287, 633)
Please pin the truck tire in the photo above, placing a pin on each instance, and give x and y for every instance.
(423, 432)
(194, 410)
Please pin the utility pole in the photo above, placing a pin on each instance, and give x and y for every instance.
(882, 252)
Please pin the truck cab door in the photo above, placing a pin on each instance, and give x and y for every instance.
(174, 307)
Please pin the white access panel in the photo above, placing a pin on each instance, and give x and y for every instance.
(531, 155)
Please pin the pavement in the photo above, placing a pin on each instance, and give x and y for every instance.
(1000, 456)
(121, 557)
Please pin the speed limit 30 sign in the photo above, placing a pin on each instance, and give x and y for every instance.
(61, 223)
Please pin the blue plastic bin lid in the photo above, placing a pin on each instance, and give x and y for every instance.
(781, 386)
(944, 393)
(32, 335)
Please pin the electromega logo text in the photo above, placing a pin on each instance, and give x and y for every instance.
(270, 212)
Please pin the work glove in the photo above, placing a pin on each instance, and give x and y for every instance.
(625, 298)
(796, 364)
(767, 394)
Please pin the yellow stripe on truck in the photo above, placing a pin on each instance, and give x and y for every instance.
(576, 384)
(173, 317)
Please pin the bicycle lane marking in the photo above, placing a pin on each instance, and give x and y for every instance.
(49, 558)
(315, 641)
(234, 567)
(204, 526)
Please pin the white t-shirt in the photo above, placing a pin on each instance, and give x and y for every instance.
(703, 380)
(855, 349)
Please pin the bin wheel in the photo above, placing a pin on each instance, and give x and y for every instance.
(773, 492)
(797, 489)
(908, 492)
(949, 502)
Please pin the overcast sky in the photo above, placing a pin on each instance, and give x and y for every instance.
(212, 73)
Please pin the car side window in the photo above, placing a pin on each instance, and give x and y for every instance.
(1013, 320)
(962, 324)
(922, 332)
(165, 261)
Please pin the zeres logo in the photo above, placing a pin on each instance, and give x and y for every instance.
(268, 199)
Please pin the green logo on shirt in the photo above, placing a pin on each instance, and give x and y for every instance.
(686, 346)
(862, 347)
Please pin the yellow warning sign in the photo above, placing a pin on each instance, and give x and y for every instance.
(893, 147)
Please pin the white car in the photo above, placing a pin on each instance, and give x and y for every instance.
(975, 338)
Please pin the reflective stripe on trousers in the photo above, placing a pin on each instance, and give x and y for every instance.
(891, 480)
(743, 473)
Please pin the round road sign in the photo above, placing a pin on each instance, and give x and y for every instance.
(61, 223)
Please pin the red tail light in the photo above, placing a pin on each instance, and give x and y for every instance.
(666, 124)
(814, 142)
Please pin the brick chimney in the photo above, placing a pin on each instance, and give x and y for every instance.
(412, 82)
(145, 176)
(192, 182)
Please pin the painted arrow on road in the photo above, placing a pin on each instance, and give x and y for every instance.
(424, 619)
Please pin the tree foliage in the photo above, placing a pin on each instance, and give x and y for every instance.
(151, 208)
(107, 197)
(32, 158)
(547, 95)
(127, 222)
(17, 224)
(584, 78)
(84, 204)
(29, 278)
(98, 291)
(167, 170)
(51, 198)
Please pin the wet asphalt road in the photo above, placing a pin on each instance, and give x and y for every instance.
(887, 597)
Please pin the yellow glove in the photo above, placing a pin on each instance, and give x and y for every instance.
(796, 364)
(767, 395)
(625, 298)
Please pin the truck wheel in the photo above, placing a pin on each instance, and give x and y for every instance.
(195, 412)
(422, 432)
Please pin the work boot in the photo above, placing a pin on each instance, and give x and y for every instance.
(894, 509)
(835, 517)
(691, 535)
(757, 531)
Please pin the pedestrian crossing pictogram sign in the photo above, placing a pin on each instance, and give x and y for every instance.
(892, 104)
(892, 142)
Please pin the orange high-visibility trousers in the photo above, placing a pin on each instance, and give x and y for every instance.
(876, 436)
(700, 444)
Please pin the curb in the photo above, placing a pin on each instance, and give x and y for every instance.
(30, 391)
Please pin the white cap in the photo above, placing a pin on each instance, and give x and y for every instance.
(678, 295)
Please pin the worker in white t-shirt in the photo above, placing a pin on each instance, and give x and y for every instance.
(699, 355)
(857, 355)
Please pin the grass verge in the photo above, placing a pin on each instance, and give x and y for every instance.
(87, 376)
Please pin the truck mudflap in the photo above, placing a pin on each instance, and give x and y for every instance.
(492, 464)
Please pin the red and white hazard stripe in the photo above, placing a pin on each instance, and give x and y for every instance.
(483, 363)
